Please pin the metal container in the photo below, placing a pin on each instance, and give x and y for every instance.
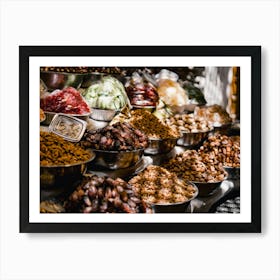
(222, 128)
(102, 114)
(207, 189)
(59, 80)
(68, 127)
(60, 176)
(91, 78)
(233, 172)
(160, 146)
(117, 159)
(192, 139)
(50, 116)
(179, 207)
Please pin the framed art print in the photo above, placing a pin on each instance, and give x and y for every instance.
(159, 138)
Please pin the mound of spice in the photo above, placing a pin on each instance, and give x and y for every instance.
(223, 149)
(67, 101)
(151, 125)
(103, 195)
(54, 150)
(116, 137)
(192, 166)
(157, 185)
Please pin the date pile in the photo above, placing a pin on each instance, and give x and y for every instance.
(223, 149)
(103, 195)
(191, 166)
(116, 137)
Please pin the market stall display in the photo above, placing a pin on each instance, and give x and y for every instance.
(106, 156)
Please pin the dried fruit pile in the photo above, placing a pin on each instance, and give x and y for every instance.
(54, 150)
(103, 195)
(116, 137)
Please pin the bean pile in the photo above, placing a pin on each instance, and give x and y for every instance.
(157, 185)
(188, 123)
(54, 150)
(191, 166)
(151, 125)
(103, 195)
(223, 149)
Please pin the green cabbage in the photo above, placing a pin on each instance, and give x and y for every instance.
(108, 93)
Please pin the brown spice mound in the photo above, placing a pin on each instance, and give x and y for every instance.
(151, 125)
(54, 150)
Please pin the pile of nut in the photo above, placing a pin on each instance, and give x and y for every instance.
(222, 149)
(188, 123)
(192, 166)
(151, 125)
(157, 185)
(116, 137)
(103, 195)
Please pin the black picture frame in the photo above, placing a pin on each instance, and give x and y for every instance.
(254, 52)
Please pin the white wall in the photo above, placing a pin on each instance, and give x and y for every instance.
(138, 256)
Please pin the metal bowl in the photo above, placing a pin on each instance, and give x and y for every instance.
(192, 139)
(222, 128)
(59, 80)
(59, 176)
(207, 189)
(233, 172)
(117, 159)
(179, 207)
(92, 78)
(160, 146)
(102, 115)
(50, 115)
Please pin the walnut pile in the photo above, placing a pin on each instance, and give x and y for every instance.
(191, 166)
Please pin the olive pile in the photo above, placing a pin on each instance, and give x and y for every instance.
(103, 195)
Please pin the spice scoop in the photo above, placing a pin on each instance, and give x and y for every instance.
(68, 127)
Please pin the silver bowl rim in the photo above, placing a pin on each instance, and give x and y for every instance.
(116, 152)
(93, 155)
(163, 139)
(71, 115)
(231, 167)
(177, 203)
(198, 132)
(222, 125)
(197, 182)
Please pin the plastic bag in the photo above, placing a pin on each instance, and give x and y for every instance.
(170, 91)
(141, 91)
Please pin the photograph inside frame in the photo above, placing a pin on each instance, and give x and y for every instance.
(139, 139)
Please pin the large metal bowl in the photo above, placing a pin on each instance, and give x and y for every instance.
(207, 189)
(160, 146)
(102, 115)
(179, 207)
(59, 80)
(117, 159)
(92, 78)
(59, 176)
(192, 139)
(233, 172)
